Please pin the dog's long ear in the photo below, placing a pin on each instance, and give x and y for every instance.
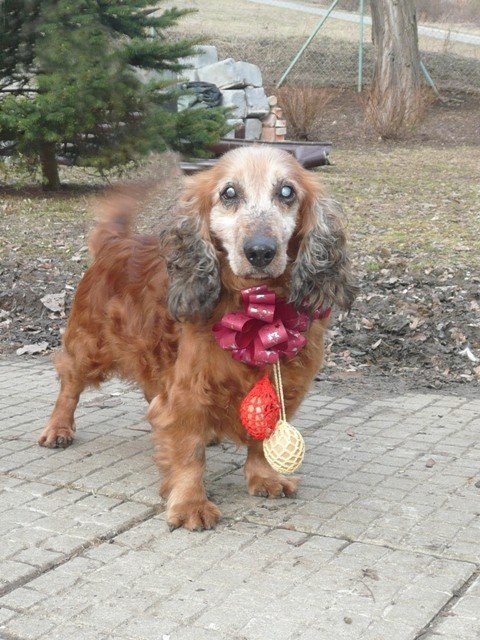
(321, 274)
(192, 265)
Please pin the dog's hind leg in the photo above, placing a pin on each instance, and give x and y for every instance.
(60, 428)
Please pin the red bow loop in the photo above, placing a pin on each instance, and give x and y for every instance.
(267, 329)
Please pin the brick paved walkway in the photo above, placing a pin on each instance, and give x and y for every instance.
(382, 543)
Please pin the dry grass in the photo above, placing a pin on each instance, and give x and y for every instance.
(303, 107)
(59, 222)
(449, 11)
(394, 119)
(422, 203)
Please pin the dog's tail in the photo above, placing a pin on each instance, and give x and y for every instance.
(115, 215)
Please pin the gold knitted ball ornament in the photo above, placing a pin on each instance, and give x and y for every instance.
(285, 448)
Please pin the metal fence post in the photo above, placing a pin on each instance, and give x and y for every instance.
(306, 43)
(360, 48)
(428, 78)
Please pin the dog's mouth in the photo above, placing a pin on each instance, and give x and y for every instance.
(273, 269)
(260, 274)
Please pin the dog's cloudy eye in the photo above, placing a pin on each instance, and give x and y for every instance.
(286, 192)
(229, 193)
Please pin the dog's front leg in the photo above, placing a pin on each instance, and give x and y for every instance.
(180, 453)
(262, 480)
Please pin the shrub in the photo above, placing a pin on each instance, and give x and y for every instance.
(303, 107)
(391, 118)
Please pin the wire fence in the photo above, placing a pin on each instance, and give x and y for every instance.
(270, 33)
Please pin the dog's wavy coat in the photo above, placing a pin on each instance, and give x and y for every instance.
(144, 310)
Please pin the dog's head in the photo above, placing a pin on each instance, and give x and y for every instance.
(264, 215)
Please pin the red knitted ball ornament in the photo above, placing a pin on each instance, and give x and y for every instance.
(259, 410)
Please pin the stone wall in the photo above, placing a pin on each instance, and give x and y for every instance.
(254, 115)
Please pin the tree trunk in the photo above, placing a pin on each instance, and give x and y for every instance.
(397, 93)
(48, 161)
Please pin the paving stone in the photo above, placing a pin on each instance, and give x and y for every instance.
(28, 627)
(5, 615)
(374, 546)
(21, 599)
(462, 619)
(148, 628)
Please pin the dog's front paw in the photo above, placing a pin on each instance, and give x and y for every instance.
(57, 435)
(273, 486)
(195, 515)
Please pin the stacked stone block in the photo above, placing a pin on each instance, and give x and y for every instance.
(241, 86)
(274, 125)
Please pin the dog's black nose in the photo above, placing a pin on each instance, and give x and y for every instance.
(260, 250)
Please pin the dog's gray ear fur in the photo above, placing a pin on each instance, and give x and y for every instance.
(193, 272)
(321, 273)
(192, 264)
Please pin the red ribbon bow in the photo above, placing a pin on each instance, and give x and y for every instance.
(268, 328)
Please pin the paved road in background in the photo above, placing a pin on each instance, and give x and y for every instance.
(431, 32)
(382, 542)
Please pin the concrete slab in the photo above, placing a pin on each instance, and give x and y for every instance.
(381, 542)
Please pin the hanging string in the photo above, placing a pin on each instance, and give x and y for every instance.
(277, 375)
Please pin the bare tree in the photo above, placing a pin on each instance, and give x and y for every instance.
(397, 93)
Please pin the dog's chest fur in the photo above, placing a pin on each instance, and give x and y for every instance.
(215, 384)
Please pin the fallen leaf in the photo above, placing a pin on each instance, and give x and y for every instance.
(430, 462)
(470, 355)
(32, 348)
(54, 302)
(370, 573)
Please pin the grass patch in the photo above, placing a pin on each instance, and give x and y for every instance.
(42, 227)
(416, 202)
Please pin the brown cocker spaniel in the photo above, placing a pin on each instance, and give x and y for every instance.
(145, 308)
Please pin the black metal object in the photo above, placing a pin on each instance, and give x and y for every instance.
(308, 154)
(206, 94)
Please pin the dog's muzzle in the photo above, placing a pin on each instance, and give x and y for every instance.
(260, 250)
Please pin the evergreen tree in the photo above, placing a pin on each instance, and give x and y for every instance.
(72, 83)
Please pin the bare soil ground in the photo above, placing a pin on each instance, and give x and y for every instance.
(452, 122)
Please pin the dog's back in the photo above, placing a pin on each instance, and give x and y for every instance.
(118, 315)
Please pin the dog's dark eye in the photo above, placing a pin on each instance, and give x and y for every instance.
(229, 193)
(287, 192)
